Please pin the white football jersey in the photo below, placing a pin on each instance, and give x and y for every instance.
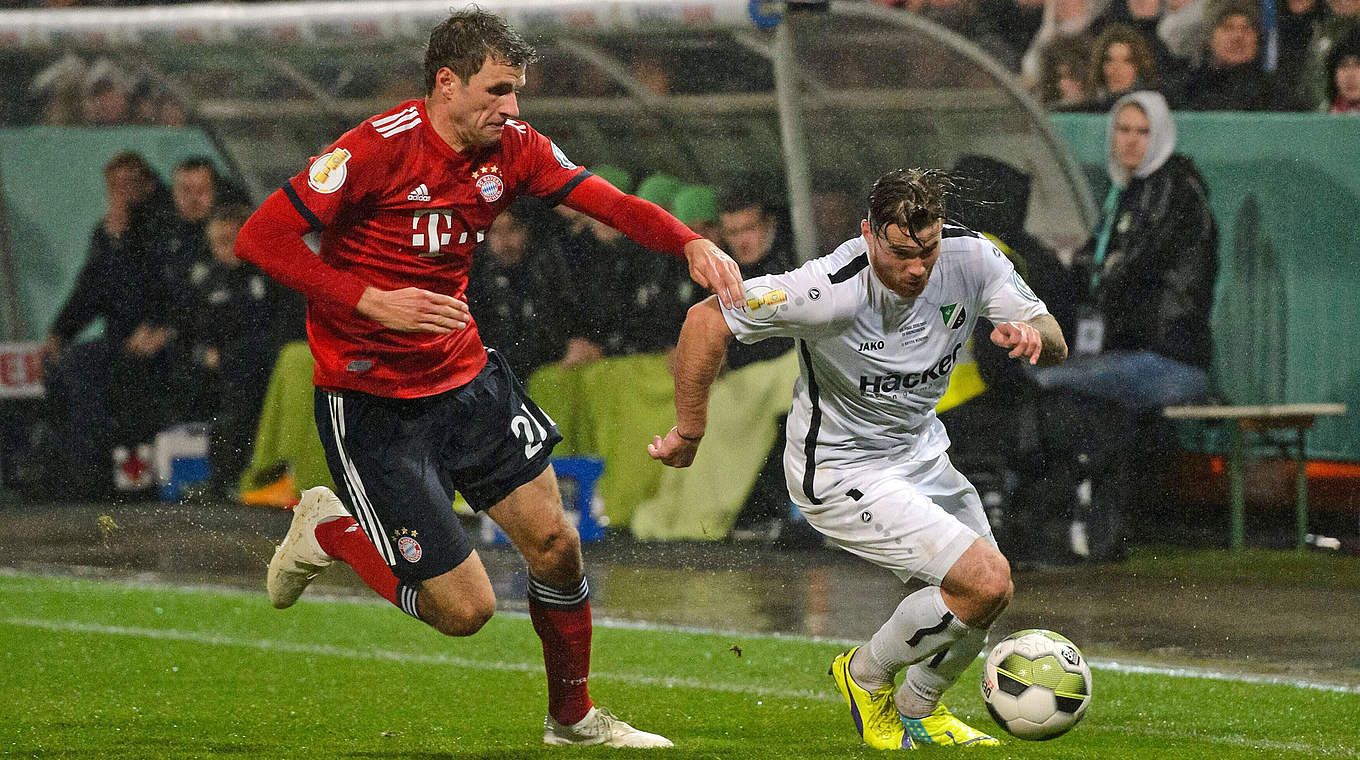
(873, 364)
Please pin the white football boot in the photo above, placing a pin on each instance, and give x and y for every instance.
(299, 558)
(600, 727)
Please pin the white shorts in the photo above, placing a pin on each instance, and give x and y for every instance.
(914, 518)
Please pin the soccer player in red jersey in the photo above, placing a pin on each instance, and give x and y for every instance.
(410, 405)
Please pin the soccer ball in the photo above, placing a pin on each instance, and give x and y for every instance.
(1036, 684)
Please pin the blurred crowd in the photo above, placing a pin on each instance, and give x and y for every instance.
(189, 333)
(1074, 55)
(1202, 55)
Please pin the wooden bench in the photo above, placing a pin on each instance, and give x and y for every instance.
(1261, 419)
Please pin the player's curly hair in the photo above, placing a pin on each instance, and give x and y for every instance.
(462, 42)
(912, 199)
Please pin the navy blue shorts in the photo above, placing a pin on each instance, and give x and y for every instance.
(397, 462)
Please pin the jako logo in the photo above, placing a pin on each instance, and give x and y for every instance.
(892, 382)
(871, 345)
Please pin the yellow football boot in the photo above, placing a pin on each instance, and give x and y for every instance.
(942, 728)
(874, 712)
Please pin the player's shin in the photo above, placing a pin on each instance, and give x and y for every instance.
(921, 626)
(561, 617)
(928, 679)
(343, 539)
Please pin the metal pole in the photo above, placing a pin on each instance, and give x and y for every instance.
(1301, 492)
(794, 143)
(1237, 492)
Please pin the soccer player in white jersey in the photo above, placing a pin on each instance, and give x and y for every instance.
(879, 324)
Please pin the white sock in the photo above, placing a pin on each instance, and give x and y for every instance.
(929, 678)
(920, 626)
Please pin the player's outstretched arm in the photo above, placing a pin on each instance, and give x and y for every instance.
(1039, 340)
(652, 226)
(712, 268)
(698, 358)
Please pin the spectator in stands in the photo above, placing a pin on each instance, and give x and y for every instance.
(108, 95)
(108, 391)
(1231, 78)
(524, 299)
(153, 105)
(626, 281)
(1142, 18)
(1344, 20)
(238, 319)
(1120, 63)
(179, 239)
(1062, 19)
(1343, 75)
(1142, 340)
(752, 233)
(60, 89)
(697, 207)
(1184, 29)
(1295, 23)
(1065, 79)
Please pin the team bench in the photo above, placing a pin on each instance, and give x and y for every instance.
(1261, 419)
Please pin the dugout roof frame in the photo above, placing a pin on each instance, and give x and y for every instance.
(836, 94)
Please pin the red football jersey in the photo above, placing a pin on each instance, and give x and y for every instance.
(398, 207)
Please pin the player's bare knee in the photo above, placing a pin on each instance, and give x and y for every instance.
(461, 619)
(557, 556)
(994, 588)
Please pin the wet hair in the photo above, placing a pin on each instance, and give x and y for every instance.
(462, 42)
(912, 199)
(130, 159)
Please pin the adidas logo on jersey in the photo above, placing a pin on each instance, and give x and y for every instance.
(421, 193)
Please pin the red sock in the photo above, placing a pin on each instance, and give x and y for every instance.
(566, 657)
(343, 539)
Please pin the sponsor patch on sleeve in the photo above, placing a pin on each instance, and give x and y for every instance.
(327, 173)
(763, 302)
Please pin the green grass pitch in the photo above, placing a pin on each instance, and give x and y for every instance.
(104, 670)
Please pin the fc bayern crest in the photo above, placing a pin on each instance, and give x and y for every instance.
(409, 548)
(489, 183)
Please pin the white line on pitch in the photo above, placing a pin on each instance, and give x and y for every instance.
(387, 655)
(642, 625)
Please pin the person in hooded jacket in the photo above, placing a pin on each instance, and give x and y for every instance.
(1141, 338)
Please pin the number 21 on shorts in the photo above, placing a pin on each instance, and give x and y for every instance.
(527, 428)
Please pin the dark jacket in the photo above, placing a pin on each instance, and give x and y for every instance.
(528, 310)
(633, 300)
(123, 281)
(1157, 285)
(1231, 88)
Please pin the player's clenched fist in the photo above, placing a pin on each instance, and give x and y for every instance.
(1021, 338)
(674, 450)
(414, 310)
